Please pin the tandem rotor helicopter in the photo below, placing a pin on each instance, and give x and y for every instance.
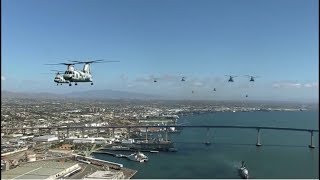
(72, 75)
(251, 78)
(231, 78)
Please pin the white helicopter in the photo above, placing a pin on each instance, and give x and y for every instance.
(73, 75)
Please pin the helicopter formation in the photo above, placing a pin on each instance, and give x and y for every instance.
(251, 78)
(230, 79)
(72, 75)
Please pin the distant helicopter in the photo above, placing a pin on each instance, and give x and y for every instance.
(251, 77)
(214, 89)
(231, 78)
(183, 79)
(73, 75)
(155, 80)
(59, 78)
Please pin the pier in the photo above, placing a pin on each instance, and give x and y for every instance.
(110, 153)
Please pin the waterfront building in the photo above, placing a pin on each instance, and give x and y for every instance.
(41, 170)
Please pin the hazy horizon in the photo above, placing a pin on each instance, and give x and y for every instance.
(151, 97)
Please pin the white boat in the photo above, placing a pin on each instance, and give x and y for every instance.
(119, 148)
(139, 157)
(243, 171)
(120, 155)
(207, 143)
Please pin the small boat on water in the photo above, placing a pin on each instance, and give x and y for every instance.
(138, 156)
(172, 149)
(154, 151)
(207, 143)
(243, 171)
(120, 155)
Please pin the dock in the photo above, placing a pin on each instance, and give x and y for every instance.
(128, 173)
(110, 153)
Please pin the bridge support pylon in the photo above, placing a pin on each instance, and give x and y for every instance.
(311, 141)
(207, 137)
(146, 133)
(258, 138)
(166, 134)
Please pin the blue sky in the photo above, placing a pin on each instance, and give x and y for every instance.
(202, 40)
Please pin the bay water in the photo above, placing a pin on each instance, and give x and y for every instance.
(283, 154)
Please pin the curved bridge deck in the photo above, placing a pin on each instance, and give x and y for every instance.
(208, 127)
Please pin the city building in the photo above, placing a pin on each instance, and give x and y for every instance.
(46, 138)
(41, 170)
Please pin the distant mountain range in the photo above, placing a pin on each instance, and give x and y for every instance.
(10, 94)
(110, 94)
(92, 94)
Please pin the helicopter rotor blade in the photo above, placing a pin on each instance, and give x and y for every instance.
(93, 61)
(67, 64)
(56, 71)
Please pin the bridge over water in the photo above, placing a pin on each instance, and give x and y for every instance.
(208, 127)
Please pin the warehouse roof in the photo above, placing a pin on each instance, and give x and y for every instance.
(37, 170)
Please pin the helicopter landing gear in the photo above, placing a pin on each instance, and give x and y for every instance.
(91, 83)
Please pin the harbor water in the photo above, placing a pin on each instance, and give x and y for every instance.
(283, 154)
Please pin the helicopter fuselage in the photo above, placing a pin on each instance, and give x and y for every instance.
(77, 76)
